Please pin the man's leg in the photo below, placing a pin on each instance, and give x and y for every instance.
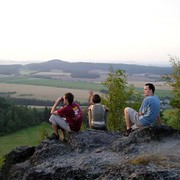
(131, 116)
(55, 129)
(55, 135)
(62, 134)
(59, 123)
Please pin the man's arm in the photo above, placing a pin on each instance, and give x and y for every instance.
(53, 110)
(159, 119)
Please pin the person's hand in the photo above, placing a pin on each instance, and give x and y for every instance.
(140, 114)
(59, 99)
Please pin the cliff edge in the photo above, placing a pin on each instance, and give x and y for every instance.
(149, 153)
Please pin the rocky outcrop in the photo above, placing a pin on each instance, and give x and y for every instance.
(149, 153)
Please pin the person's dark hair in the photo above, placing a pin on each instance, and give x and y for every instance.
(69, 97)
(96, 98)
(151, 86)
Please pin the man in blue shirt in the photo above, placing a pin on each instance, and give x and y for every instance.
(148, 113)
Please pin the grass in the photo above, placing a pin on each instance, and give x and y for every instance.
(146, 159)
(52, 83)
(27, 137)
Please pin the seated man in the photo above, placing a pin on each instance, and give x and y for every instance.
(68, 118)
(97, 114)
(148, 112)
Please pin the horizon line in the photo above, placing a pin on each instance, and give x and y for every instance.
(21, 62)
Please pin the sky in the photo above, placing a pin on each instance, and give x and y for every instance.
(107, 31)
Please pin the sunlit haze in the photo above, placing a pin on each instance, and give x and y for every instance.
(106, 31)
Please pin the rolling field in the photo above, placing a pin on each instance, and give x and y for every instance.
(41, 92)
(158, 85)
(46, 89)
(73, 84)
(48, 92)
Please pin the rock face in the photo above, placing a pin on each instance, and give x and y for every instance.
(149, 153)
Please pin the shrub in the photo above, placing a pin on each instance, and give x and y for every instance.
(174, 81)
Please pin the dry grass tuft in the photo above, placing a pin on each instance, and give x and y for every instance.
(146, 159)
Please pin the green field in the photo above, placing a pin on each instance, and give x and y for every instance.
(26, 137)
(52, 83)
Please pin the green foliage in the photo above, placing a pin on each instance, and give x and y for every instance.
(117, 98)
(85, 124)
(14, 117)
(84, 127)
(174, 81)
(135, 101)
(3, 104)
(2, 158)
(170, 118)
(43, 132)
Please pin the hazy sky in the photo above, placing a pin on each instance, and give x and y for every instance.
(119, 31)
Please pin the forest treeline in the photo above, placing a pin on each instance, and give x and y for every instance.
(34, 102)
(13, 117)
(20, 113)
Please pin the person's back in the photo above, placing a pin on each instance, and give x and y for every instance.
(97, 114)
(150, 109)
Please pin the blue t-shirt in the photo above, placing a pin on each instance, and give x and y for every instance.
(150, 108)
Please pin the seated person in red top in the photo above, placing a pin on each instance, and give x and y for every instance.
(67, 118)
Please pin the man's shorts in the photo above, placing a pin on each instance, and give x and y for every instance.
(135, 118)
(57, 120)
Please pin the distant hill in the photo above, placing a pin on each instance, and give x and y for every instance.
(83, 66)
(83, 69)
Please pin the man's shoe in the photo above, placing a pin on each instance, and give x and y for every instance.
(53, 137)
(64, 140)
(128, 131)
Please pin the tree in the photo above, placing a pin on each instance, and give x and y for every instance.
(13, 117)
(46, 114)
(117, 97)
(174, 81)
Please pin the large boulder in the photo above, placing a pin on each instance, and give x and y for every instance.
(149, 153)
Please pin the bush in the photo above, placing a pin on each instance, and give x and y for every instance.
(119, 93)
(2, 161)
(174, 81)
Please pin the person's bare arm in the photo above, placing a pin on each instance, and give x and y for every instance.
(53, 110)
(106, 108)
